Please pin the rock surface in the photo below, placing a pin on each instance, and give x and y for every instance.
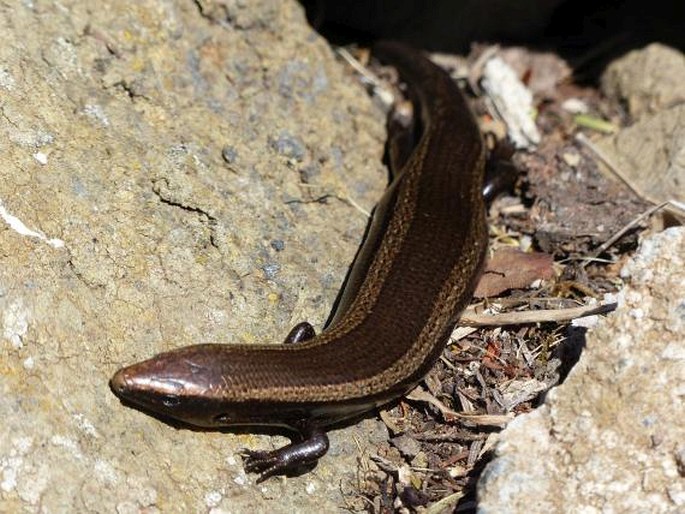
(172, 173)
(611, 438)
(648, 80)
(650, 154)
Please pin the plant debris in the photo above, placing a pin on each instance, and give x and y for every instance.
(550, 263)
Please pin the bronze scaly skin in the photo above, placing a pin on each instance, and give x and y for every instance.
(412, 277)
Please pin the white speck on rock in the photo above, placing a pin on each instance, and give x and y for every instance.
(8, 470)
(97, 113)
(22, 444)
(127, 507)
(33, 484)
(217, 316)
(637, 313)
(674, 351)
(41, 157)
(218, 510)
(311, 488)
(142, 493)
(86, 426)
(18, 226)
(6, 80)
(31, 138)
(633, 298)
(213, 498)
(67, 443)
(15, 323)
(13, 464)
(677, 494)
(105, 472)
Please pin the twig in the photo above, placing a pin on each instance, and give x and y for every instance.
(418, 394)
(386, 465)
(446, 504)
(541, 316)
(369, 77)
(615, 171)
(340, 196)
(354, 204)
(580, 137)
(604, 246)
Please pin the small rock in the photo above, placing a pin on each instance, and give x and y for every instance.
(408, 446)
(609, 439)
(647, 80)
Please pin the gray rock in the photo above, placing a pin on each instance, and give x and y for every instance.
(649, 154)
(407, 446)
(648, 80)
(140, 197)
(611, 437)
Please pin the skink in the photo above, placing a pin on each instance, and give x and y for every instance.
(412, 277)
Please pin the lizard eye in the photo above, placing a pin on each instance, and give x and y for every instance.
(171, 400)
(222, 418)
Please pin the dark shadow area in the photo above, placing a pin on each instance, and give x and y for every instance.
(569, 352)
(270, 430)
(587, 33)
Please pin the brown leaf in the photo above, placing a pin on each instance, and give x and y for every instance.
(512, 269)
